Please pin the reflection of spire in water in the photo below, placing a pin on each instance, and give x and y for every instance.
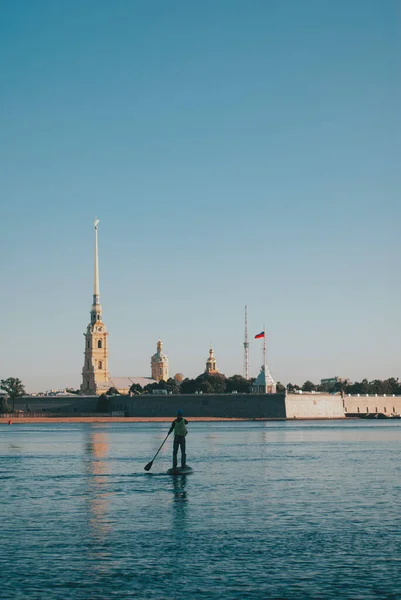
(97, 448)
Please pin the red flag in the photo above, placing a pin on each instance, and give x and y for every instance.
(260, 335)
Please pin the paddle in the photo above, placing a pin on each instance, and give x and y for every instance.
(149, 465)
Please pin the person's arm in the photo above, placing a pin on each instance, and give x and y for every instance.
(172, 427)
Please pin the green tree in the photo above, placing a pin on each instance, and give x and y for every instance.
(239, 384)
(212, 383)
(158, 385)
(113, 392)
(308, 386)
(339, 386)
(173, 386)
(14, 388)
(136, 389)
(280, 388)
(188, 386)
(206, 383)
(392, 386)
(359, 387)
(4, 408)
(377, 387)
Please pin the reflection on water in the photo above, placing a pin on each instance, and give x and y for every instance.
(179, 485)
(97, 448)
(180, 502)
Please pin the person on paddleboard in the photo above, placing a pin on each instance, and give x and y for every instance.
(179, 426)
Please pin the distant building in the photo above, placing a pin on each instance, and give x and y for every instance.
(211, 363)
(330, 383)
(264, 383)
(159, 364)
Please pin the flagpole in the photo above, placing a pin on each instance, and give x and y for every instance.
(264, 357)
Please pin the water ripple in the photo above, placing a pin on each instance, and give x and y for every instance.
(273, 510)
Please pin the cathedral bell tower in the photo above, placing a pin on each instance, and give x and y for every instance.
(95, 369)
(159, 364)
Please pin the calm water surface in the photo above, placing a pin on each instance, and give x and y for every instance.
(273, 510)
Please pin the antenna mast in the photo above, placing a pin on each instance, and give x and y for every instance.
(246, 346)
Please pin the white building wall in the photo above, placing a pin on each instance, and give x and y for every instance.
(372, 404)
(314, 406)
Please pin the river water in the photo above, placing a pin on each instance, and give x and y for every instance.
(282, 510)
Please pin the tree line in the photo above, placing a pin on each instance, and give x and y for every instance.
(377, 386)
(206, 383)
(215, 383)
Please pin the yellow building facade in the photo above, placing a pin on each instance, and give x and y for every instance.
(159, 364)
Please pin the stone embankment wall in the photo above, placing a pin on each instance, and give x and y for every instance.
(362, 405)
(58, 404)
(242, 406)
(314, 406)
(245, 406)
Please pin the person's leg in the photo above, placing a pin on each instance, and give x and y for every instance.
(175, 450)
(183, 454)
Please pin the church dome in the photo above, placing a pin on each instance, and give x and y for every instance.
(159, 357)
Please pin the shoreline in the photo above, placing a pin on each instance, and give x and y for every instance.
(16, 420)
(29, 420)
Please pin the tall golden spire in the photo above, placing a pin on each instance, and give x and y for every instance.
(95, 370)
(96, 312)
(96, 278)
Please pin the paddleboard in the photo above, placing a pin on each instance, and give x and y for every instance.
(179, 471)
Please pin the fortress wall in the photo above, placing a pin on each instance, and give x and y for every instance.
(355, 405)
(61, 404)
(314, 406)
(246, 406)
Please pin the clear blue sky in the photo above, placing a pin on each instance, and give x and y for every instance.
(235, 152)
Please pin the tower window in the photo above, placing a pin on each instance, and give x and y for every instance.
(99, 343)
(100, 365)
(89, 344)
